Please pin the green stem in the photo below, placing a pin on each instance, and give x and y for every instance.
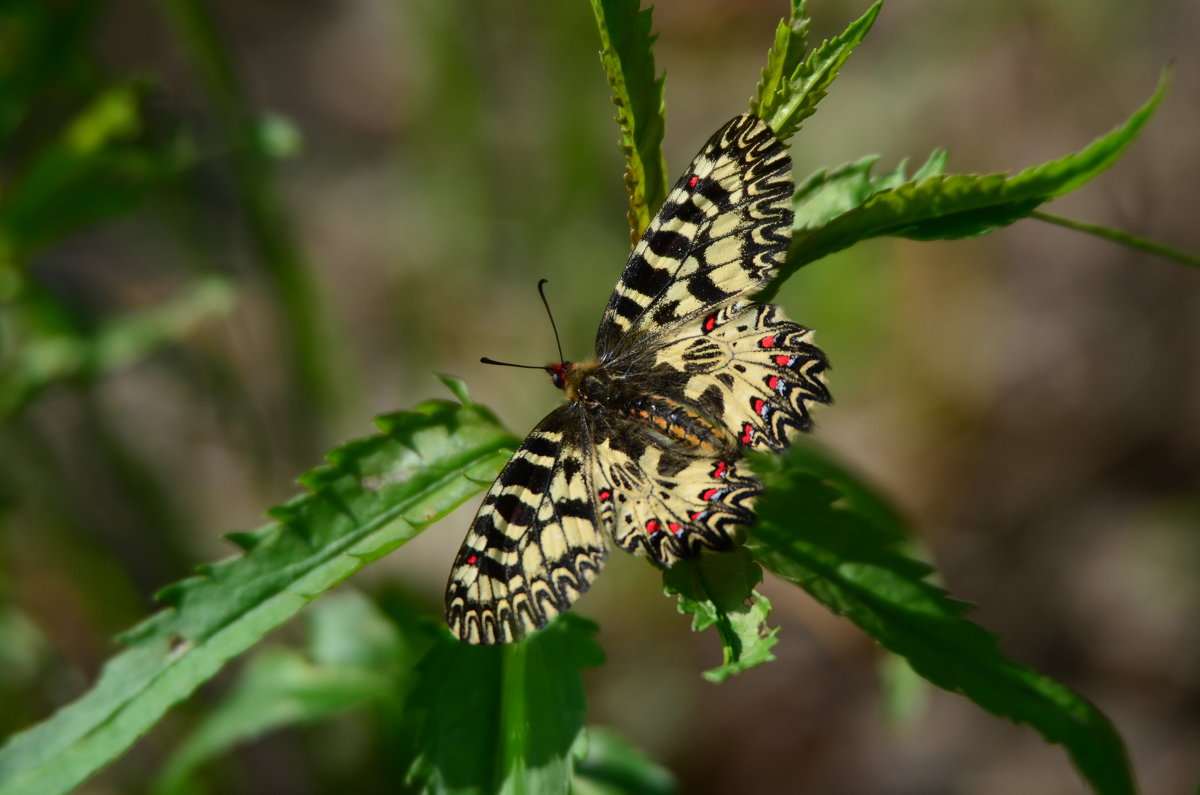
(730, 644)
(1132, 241)
(277, 248)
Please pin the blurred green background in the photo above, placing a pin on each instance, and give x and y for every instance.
(229, 238)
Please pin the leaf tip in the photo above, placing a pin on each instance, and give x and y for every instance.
(244, 541)
(456, 387)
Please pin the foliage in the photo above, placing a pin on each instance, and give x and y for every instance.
(502, 718)
(626, 52)
(848, 559)
(795, 79)
(373, 496)
(718, 590)
(936, 206)
(354, 658)
(472, 719)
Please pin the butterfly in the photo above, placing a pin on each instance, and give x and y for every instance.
(688, 373)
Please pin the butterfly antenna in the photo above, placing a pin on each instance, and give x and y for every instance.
(546, 303)
(486, 360)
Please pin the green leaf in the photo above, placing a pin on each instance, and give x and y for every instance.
(790, 89)
(627, 54)
(856, 495)
(51, 349)
(278, 137)
(354, 652)
(501, 718)
(278, 688)
(904, 694)
(373, 496)
(113, 115)
(813, 533)
(457, 387)
(718, 590)
(935, 206)
(783, 59)
(99, 165)
(827, 194)
(348, 629)
(613, 767)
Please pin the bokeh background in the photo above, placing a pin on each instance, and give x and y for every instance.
(368, 195)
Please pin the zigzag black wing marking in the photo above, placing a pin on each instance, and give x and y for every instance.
(750, 368)
(723, 231)
(663, 500)
(535, 544)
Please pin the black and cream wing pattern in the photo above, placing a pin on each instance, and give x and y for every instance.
(689, 372)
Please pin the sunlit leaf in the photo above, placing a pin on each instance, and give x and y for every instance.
(373, 496)
(627, 54)
(937, 206)
(791, 89)
(718, 591)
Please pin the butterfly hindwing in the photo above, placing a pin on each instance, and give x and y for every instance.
(751, 369)
(723, 231)
(535, 545)
(666, 502)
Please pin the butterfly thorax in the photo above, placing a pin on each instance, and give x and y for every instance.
(592, 385)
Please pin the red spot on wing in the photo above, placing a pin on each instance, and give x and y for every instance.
(711, 494)
(720, 470)
(652, 526)
(693, 181)
(767, 342)
(675, 527)
(710, 323)
(697, 515)
(471, 561)
(760, 407)
(747, 434)
(784, 361)
(604, 495)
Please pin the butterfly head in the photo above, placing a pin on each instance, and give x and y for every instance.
(558, 373)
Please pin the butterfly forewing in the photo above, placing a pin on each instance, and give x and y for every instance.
(535, 544)
(723, 231)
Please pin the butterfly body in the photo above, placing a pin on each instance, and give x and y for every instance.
(689, 372)
(597, 389)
